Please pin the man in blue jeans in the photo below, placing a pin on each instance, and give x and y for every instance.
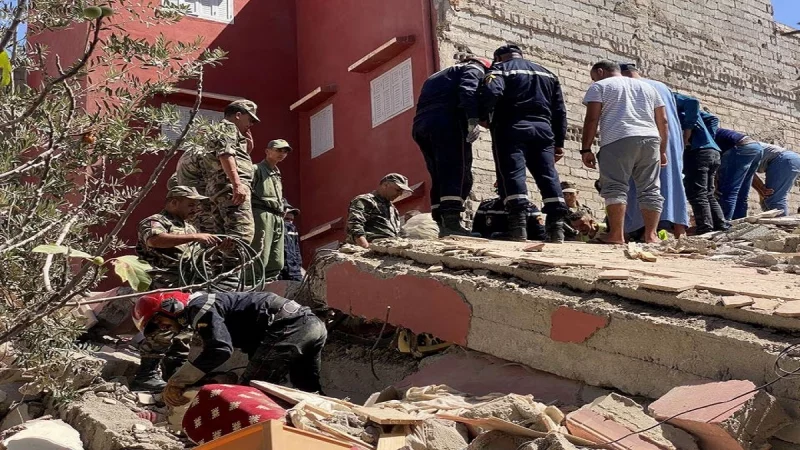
(781, 167)
(741, 155)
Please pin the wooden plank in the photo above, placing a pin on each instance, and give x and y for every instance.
(387, 416)
(395, 439)
(294, 396)
(493, 423)
(668, 285)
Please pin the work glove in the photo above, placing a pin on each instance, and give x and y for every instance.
(473, 130)
(173, 395)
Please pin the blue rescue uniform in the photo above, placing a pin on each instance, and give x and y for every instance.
(280, 336)
(449, 98)
(528, 121)
(292, 258)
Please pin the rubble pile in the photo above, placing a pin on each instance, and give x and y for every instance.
(766, 244)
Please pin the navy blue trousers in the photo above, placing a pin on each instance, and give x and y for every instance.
(442, 140)
(530, 145)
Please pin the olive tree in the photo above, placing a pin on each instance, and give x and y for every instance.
(67, 147)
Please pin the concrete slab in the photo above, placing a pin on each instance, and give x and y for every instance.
(645, 343)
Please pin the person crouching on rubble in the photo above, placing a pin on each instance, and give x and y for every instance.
(280, 336)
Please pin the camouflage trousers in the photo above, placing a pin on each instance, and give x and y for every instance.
(172, 349)
(295, 350)
(204, 218)
(233, 220)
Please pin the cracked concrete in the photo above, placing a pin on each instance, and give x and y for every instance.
(645, 349)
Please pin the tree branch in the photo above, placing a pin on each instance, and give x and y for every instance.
(65, 76)
(12, 29)
(49, 261)
(73, 288)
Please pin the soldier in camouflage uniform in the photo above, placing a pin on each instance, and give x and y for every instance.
(163, 241)
(229, 171)
(268, 209)
(373, 216)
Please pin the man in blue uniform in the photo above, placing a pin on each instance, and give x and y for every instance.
(279, 335)
(528, 125)
(444, 128)
(292, 258)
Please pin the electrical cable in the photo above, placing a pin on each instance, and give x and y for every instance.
(779, 371)
(205, 263)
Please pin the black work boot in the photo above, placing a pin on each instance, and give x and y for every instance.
(148, 378)
(451, 225)
(518, 226)
(555, 231)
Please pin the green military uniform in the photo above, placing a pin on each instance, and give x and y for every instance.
(165, 261)
(373, 217)
(192, 172)
(268, 217)
(233, 220)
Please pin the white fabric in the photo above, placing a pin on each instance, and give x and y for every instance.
(628, 108)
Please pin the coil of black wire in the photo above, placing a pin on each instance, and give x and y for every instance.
(206, 264)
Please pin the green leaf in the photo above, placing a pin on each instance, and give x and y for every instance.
(61, 250)
(133, 271)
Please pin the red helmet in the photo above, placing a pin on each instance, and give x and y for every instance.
(167, 303)
(486, 63)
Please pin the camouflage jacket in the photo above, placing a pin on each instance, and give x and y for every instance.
(165, 261)
(267, 189)
(225, 139)
(372, 216)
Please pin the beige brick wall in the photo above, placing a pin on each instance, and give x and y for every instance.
(728, 53)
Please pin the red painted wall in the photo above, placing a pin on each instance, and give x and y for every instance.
(331, 35)
(260, 65)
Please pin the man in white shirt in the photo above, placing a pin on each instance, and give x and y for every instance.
(633, 144)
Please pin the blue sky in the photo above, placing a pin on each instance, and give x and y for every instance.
(787, 11)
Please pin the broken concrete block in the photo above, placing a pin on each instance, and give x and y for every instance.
(737, 301)
(742, 424)
(611, 417)
(762, 260)
(776, 246)
(90, 416)
(788, 309)
(118, 363)
(44, 435)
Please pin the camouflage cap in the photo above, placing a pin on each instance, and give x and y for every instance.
(247, 105)
(279, 143)
(186, 192)
(568, 187)
(400, 180)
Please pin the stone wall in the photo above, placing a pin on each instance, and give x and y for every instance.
(728, 53)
